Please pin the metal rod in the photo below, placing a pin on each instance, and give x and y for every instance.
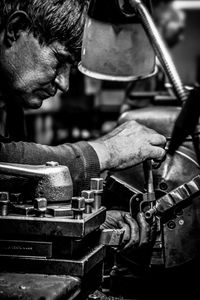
(149, 181)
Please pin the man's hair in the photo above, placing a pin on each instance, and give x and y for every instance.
(52, 20)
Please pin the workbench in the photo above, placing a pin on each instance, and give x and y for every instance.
(38, 286)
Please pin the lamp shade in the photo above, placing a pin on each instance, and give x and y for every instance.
(115, 45)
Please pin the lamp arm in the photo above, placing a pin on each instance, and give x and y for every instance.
(160, 49)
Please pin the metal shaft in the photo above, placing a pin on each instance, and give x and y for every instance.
(149, 181)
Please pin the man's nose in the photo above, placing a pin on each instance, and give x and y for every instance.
(62, 80)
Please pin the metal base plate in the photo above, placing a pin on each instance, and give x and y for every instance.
(41, 265)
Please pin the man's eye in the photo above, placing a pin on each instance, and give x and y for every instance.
(64, 59)
(59, 64)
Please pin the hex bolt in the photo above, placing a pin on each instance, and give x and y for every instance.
(171, 224)
(40, 206)
(96, 185)
(16, 198)
(52, 164)
(78, 207)
(181, 222)
(88, 195)
(4, 203)
(163, 186)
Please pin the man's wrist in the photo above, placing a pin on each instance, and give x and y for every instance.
(102, 153)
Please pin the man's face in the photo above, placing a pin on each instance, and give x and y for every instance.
(33, 71)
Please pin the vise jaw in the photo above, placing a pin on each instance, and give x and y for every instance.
(51, 181)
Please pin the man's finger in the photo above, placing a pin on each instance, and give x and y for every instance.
(145, 230)
(134, 232)
(126, 236)
(158, 153)
(158, 140)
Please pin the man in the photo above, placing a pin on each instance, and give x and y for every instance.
(39, 41)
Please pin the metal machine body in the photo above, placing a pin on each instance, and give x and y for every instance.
(51, 232)
(51, 181)
(177, 193)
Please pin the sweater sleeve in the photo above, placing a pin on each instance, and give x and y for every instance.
(80, 158)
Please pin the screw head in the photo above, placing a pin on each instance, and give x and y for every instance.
(96, 184)
(4, 196)
(181, 222)
(163, 186)
(40, 204)
(16, 197)
(78, 203)
(87, 194)
(171, 224)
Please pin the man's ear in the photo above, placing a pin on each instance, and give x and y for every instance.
(19, 21)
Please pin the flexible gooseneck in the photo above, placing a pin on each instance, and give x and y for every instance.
(159, 46)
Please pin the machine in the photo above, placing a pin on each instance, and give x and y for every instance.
(170, 195)
(47, 232)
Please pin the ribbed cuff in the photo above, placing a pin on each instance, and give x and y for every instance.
(91, 166)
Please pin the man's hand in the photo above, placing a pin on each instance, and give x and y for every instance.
(138, 233)
(127, 145)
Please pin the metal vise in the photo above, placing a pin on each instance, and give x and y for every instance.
(50, 181)
(53, 232)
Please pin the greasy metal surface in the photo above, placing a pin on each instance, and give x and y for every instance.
(181, 231)
(29, 248)
(182, 237)
(182, 240)
(36, 286)
(39, 265)
(51, 182)
(176, 199)
(52, 226)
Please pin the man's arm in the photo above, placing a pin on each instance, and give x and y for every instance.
(125, 146)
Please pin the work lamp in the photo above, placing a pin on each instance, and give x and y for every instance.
(121, 41)
(115, 45)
